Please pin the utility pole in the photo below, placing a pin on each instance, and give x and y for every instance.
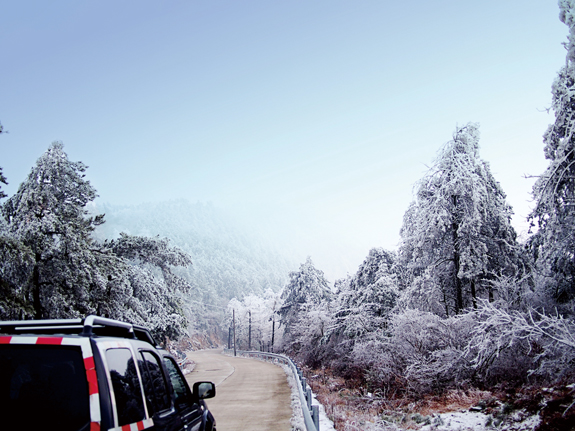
(273, 330)
(250, 332)
(234, 323)
(229, 337)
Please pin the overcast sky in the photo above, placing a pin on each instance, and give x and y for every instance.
(328, 109)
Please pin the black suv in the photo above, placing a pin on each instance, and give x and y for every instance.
(94, 374)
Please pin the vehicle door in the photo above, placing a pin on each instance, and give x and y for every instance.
(127, 396)
(189, 410)
(159, 402)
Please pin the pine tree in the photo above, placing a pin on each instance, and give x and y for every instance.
(362, 308)
(156, 299)
(68, 274)
(554, 191)
(457, 235)
(365, 300)
(306, 289)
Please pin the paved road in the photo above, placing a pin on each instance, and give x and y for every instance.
(250, 394)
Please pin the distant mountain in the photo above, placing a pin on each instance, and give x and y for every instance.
(230, 258)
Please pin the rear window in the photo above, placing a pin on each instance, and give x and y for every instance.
(43, 386)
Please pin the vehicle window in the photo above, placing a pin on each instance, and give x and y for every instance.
(42, 385)
(180, 386)
(126, 386)
(154, 382)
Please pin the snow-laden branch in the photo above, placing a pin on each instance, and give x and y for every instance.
(546, 342)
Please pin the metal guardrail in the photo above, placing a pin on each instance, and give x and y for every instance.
(310, 413)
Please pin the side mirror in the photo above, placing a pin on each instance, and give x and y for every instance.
(204, 390)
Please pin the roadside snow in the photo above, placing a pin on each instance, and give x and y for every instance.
(296, 421)
(476, 421)
(325, 424)
(457, 421)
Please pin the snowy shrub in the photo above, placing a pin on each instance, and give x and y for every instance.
(424, 353)
(379, 367)
(425, 293)
(514, 344)
(512, 292)
(431, 349)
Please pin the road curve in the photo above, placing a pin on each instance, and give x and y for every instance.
(250, 394)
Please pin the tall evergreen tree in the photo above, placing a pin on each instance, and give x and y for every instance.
(68, 274)
(457, 235)
(554, 191)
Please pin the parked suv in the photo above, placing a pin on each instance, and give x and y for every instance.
(94, 374)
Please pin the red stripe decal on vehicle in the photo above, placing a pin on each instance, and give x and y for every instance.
(92, 381)
(5, 340)
(141, 426)
(91, 375)
(126, 427)
(94, 426)
(89, 363)
(49, 340)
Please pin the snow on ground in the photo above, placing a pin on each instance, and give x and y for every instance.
(325, 424)
(296, 421)
(476, 421)
(457, 421)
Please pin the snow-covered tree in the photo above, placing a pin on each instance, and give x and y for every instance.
(306, 289)
(156, 291)
(364, 301)
(554, 191)
(255, 320)
(308, 334)
(457, 234)
(15, 261)
(68, 273)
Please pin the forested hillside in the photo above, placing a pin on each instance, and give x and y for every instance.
(228, 259)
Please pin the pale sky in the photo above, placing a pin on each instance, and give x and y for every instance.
(327, 111)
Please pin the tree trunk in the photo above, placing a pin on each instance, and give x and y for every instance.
(473, 295)
(37, 303)
(456, 259)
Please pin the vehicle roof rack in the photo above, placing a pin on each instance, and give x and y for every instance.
(91, 325)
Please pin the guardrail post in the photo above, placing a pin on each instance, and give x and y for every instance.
(315, 416)
(308, 396)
